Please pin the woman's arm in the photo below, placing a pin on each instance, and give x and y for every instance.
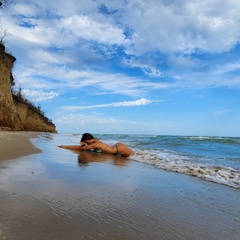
(76, 147)
(87, 145)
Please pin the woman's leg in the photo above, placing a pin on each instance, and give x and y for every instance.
(122, 149)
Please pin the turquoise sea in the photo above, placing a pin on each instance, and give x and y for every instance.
(215, 159)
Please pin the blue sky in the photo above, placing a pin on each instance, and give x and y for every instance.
(129, 66)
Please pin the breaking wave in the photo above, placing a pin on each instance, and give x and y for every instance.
(174, 162)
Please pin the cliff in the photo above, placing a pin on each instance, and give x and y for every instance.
(15, 113)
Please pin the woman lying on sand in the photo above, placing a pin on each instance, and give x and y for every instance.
(88, 142)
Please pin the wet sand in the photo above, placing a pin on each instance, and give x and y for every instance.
(16, 144)
(60, 194)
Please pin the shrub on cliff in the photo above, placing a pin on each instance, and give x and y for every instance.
(19, 97)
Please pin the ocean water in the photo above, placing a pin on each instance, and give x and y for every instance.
(215, 159)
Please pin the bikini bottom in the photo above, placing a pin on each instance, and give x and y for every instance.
(117, 152)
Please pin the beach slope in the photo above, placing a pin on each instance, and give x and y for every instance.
(16, 144)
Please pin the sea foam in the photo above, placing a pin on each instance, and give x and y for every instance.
(183, 164)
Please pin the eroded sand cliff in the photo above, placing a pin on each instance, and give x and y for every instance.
(14, 113)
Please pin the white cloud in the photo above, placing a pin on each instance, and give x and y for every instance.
(146, 65)
(139, 102)
(138, 27)
(87, 28)
(189, 26)
(226, 68)
(45, 76)
(25, 9)
(39, 95)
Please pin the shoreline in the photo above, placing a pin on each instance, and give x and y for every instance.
(16, 144)
(62, 194)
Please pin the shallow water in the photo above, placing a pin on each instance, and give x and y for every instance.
(59, 194)
(215, 159)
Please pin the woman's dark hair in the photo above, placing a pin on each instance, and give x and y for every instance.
(86, 136)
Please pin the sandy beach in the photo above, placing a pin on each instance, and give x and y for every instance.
(16, 144)
(51, 193)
